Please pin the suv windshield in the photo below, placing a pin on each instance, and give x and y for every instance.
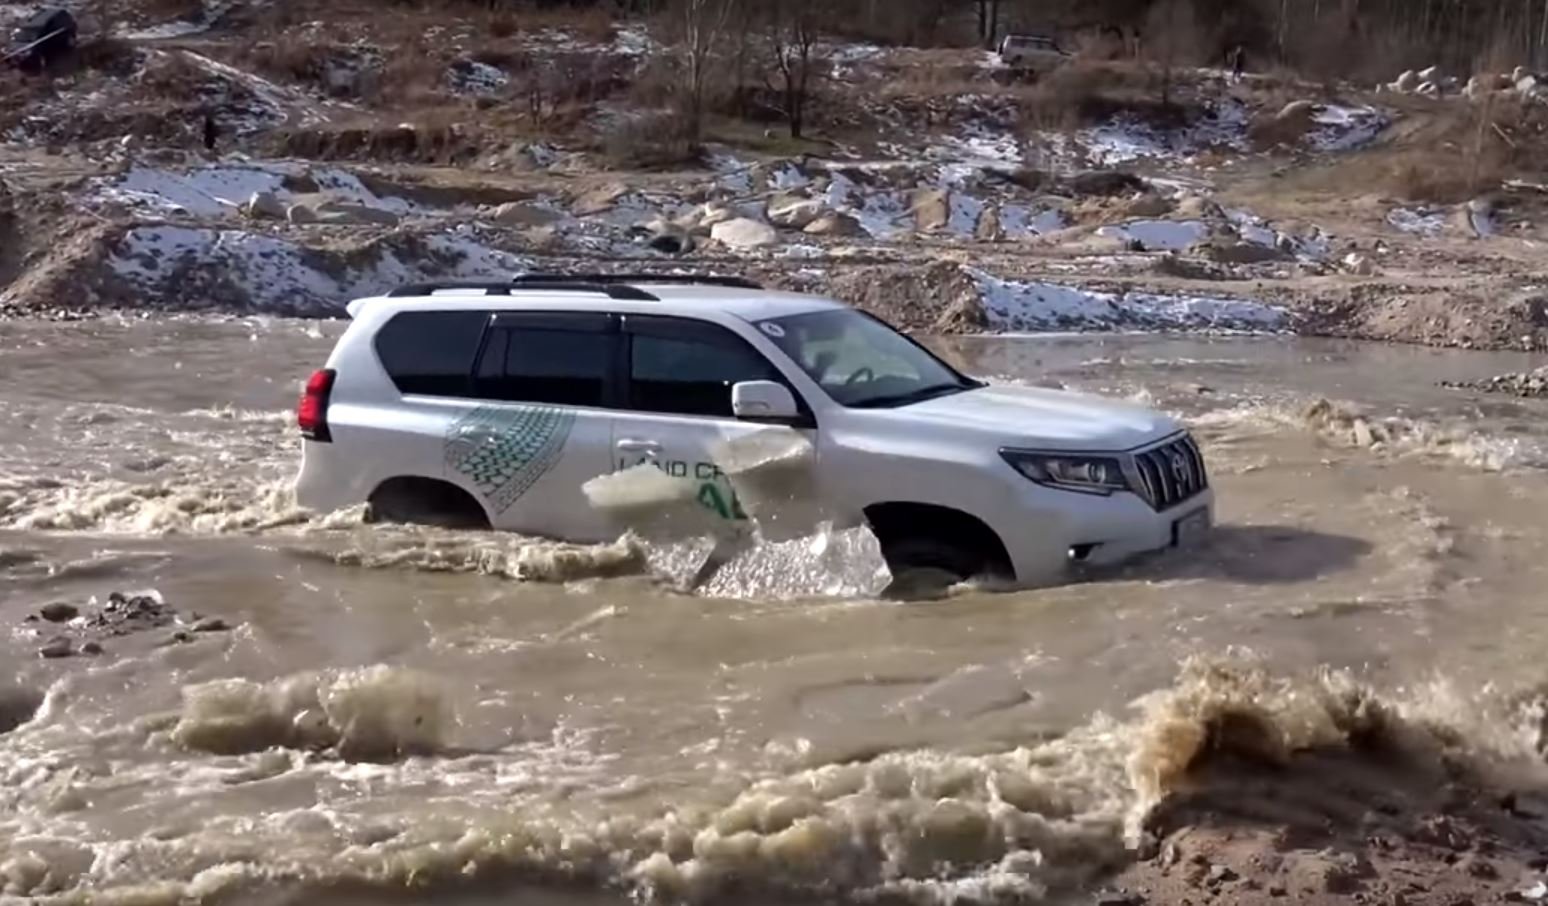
(860, 361)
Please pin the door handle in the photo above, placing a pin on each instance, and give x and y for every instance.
(639, 446)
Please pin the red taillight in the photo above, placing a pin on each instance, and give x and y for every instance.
(312, 411)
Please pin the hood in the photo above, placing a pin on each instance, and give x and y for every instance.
(1045, 419)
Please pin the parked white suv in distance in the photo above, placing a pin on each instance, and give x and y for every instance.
(493, 404)
(1035, 52)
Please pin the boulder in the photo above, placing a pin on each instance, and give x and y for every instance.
(1478, 86)
(794, 212)
(1406, 82)
(599, 199)
(835, 223)
(1432, 74)
(1147, 205)
(931, 209)
(264, 206)
(523, 214)
(1356, 263)
(342, 212)
(1106, 183)
(988, 228)
(300, 213)
(744, 233)
(1519, 73)
(1429, 89)
(1527, 85)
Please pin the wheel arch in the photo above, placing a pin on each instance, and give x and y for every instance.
(428, 497)
(895, 521)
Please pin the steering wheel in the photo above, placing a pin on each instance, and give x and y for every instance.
(855, 378)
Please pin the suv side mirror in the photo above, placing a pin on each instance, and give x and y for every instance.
(763, 400)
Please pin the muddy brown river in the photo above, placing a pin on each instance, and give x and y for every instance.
(390, 714)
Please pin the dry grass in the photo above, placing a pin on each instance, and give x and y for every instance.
(1446, 153)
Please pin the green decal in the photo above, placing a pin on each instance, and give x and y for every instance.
(504, 450)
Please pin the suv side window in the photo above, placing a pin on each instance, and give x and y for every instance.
(684, 367)
(431, 352)
(563, 359)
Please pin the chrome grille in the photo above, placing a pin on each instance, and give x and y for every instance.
(1171, 473)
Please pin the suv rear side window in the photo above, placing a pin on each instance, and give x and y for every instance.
(684, 367)
(547, 360)
(431, 352)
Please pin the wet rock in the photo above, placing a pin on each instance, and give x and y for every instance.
(1119, 898)
(522, 214)
(57, 647)
(91, 648)
(744, 233)
(211, 624)
(669, 239)
(59, 612)
(180, 637)
(1106, 183)
(794, 212)
(835, 223)
(298, 214)
(931, 209)
(18, 704)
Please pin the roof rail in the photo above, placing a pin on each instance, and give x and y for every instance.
(612, 279)
(489, 288)
(614, 286)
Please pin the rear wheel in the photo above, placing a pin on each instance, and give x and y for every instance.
(425, 501)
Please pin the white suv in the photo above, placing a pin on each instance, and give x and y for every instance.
(494, 404)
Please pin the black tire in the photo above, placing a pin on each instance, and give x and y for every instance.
(927, 568)
(425, 502)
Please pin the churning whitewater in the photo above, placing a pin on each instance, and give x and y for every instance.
(208, 694)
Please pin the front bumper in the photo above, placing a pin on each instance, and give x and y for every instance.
(1057, 530)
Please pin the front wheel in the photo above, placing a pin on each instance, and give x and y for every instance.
(928, 567)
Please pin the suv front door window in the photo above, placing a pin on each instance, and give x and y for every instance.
(678, 401)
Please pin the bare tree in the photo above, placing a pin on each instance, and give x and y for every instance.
(793, 33)
(704, 25)
(1171, 37)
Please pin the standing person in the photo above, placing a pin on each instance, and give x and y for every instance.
(210, 134)
(1238, 63)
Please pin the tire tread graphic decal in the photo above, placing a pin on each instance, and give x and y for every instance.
(504, 450)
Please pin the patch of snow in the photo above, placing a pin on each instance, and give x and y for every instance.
(219, 190)
(787, 177)
(633, 41)
(1422, 222)
(475, 78)
(1019, 221)
(274, 102)
(732, 173)
(879, 213)
(1014, 305)
(1126, 138)
(1159, 235)
(1346, 128)
(208, 192)
(264, 272)
(175, 29)
(965, 212)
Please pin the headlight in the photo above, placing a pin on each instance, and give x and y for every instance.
(1072, 472)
